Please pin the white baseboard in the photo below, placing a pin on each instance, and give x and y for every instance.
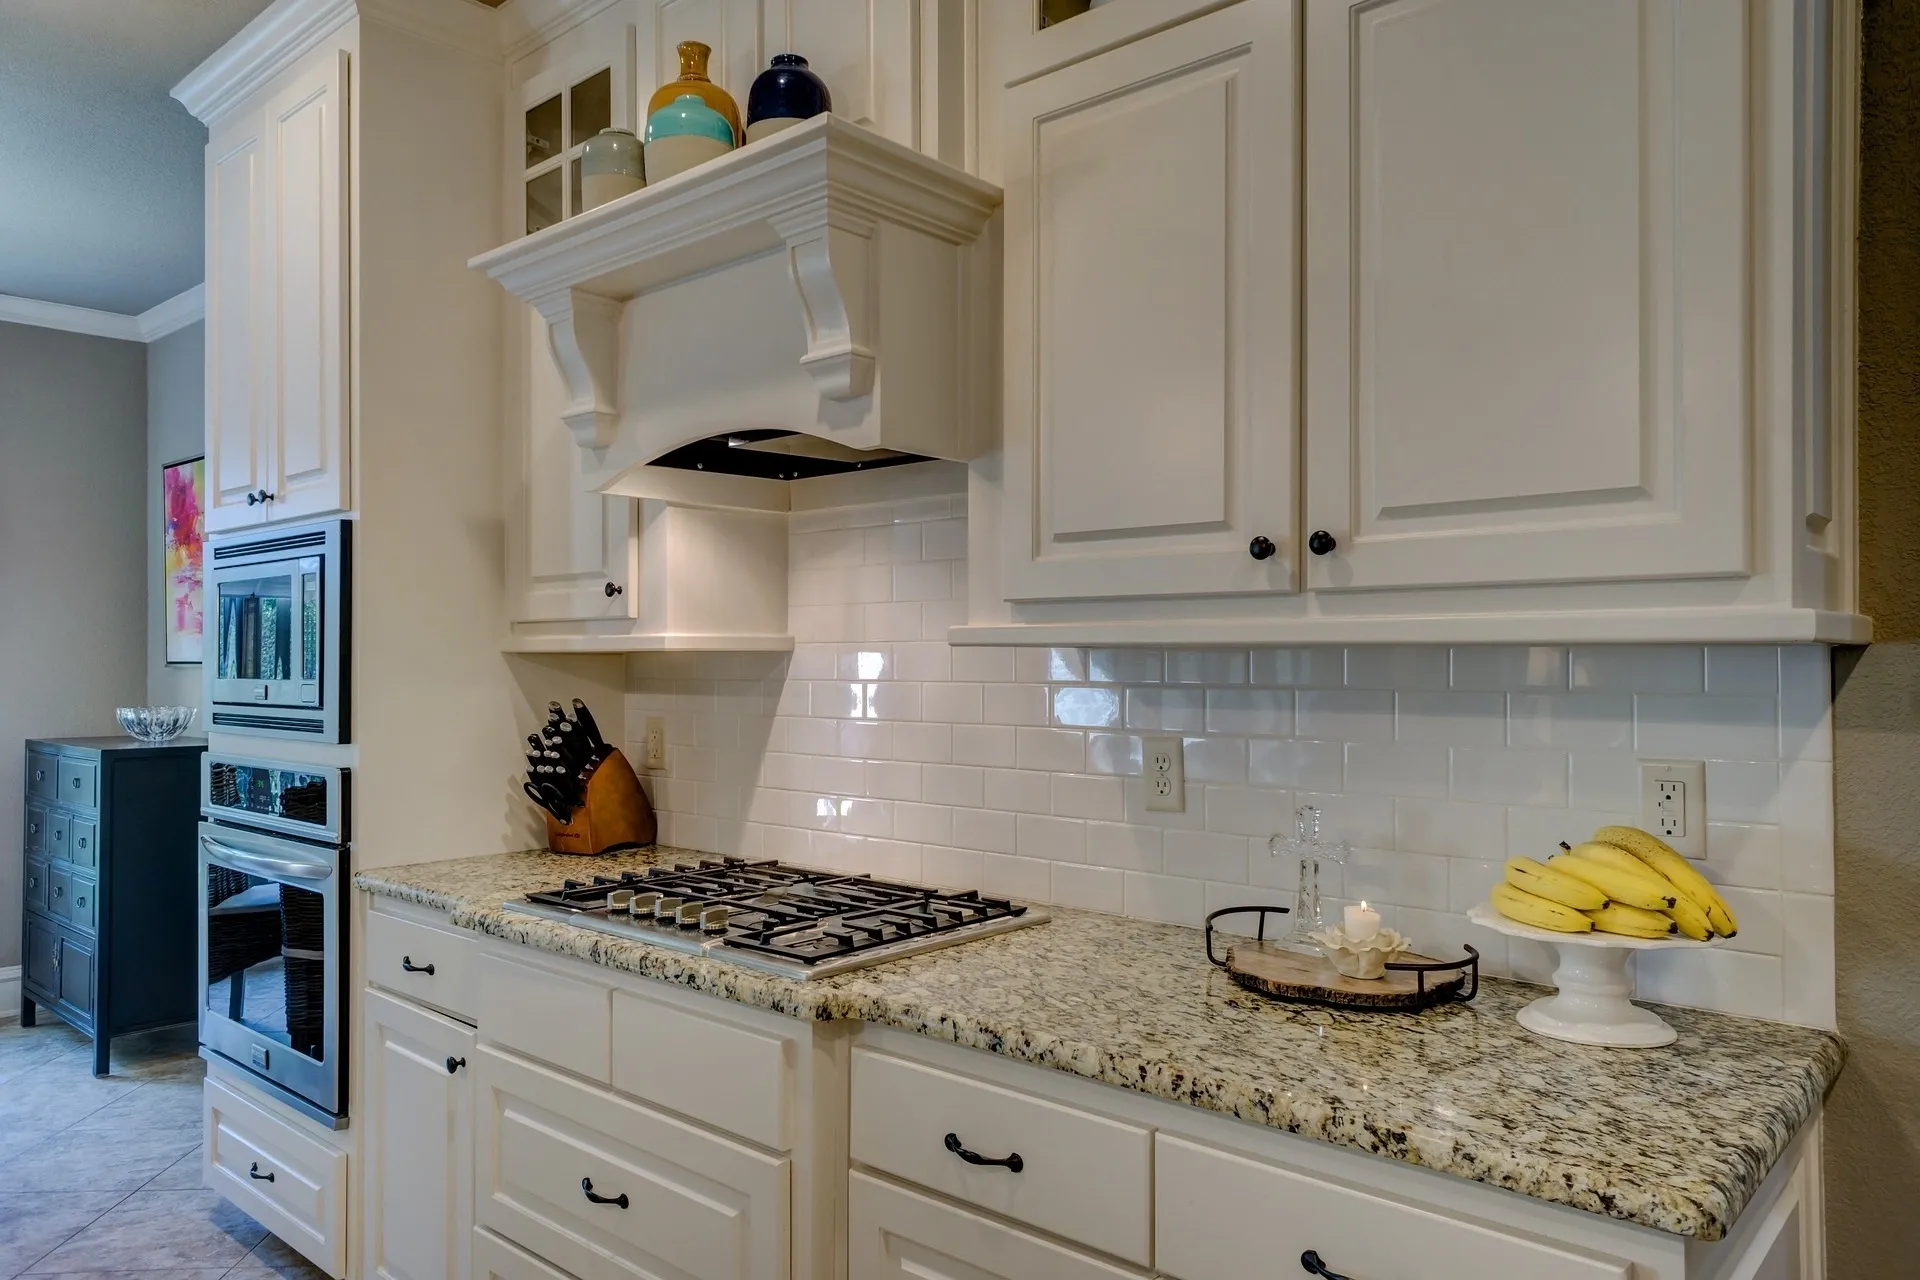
(9, 992)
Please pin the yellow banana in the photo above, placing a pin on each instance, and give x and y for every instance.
(1693, 922)
(1632, 922)
(1659, 856)
(1632, 888)
(1543, 881)
(1613, 856)
(1517, 904)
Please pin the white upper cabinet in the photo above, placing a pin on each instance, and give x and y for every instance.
(1151, 385)
(236, 448)
(1527, 291)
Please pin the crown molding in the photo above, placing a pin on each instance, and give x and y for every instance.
(525, 25)
(57, 315)
(466, 25)
(260, 51)
(189, 306)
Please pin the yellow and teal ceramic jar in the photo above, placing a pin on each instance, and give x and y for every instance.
(684, 133)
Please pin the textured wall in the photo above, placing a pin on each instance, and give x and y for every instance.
(1873, 1151)
(73, 580)
(176, 429)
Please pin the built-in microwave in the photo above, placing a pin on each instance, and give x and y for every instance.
(279, 615)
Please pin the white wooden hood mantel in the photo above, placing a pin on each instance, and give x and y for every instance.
(880, 271)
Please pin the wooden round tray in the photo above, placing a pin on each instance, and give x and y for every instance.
(1412, 982)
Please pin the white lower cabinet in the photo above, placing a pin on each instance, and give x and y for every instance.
(290, 1183)
(900, 1235)
(419, 1142)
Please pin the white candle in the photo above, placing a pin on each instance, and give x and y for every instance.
(1362, 922)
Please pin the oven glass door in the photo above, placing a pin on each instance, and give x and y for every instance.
(268, 646)
(270, 959)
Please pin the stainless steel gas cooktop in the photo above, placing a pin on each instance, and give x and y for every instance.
(773, 917)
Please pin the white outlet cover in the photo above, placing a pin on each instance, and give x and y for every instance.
(1673, 803)
(1163, 768)
(656, 743)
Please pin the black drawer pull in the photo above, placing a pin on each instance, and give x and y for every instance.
(1311, 1264)
(586, 1185)
(255, 1173)
(406, 962)
(454, 1064)
(1012, 1163)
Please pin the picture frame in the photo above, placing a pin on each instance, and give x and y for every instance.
(183, 541)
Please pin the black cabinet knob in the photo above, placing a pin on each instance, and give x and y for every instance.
(1311, 1264)
(454, 1064)
(1320, 542)
(258, 496)
(615, 589)
(1261, 548)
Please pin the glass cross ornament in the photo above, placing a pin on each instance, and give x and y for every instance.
(1311, 850)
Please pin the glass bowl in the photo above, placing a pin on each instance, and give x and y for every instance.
(155, 724)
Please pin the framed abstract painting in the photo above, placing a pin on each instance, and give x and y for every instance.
(183, 489)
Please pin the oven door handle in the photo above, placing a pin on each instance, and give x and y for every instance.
(265, 864)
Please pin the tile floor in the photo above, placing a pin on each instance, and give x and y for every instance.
(100, 1178)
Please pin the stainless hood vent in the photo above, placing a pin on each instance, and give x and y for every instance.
(779, 455)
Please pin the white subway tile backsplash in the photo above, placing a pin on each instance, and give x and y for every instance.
(876, 747)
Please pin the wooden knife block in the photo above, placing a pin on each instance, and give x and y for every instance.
(616, 814)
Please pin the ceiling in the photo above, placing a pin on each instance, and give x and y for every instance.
(100, 171)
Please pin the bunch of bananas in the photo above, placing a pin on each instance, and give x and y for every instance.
(1623, 881)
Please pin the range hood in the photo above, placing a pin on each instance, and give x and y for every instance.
(819, 301)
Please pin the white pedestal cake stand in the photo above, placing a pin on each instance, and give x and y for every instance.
(1591, 1005)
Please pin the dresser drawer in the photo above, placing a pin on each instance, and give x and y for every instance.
(401, 952)
(546, 1015)
(735, 1077)
(36, 824)
(83, 842)
(43, 775)
(1223, 1216)
(292, 1184)
(36, 885)
(895, 1234)
(83, 903)
(1081, 1176)
(79, 783)
(60, 892)
(672, 1199)
(59, 835)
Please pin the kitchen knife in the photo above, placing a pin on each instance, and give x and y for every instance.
(589, 726)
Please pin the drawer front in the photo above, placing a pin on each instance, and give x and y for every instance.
(83, 842)
(60, 892)
(1223, 1216)
(43, 776)
(898, 1235)
(546, 1015)
(291, 1183)
(400, 951)
(730, 1076)
(83, 907)
(36, 885)
(1082, 1176)
(36, 835)
(79, 783)
(694, 1204)
(498, 1259)
(59, 836)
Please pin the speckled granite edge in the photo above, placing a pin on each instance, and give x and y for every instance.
(1701, 1195)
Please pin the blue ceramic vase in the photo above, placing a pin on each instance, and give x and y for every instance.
(685, 133)
(783, 95)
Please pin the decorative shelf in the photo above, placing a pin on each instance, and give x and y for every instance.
(637, 305)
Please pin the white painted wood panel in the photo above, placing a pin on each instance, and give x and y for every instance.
(306, 254)
(417, 1144)
(731, 28)
(1527, 296)
(1150, 320)
(400, 951)
(497, 1259)
(546, 1015)
(285, 1180)
(1083, 1176)
(236, 454)
(730, 1076)
(1223, 1216)
(697, 1205)
(898, 1235)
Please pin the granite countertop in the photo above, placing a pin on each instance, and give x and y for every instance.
(1678, 1139)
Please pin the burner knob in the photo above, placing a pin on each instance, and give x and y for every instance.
(665, 910)
(714, 920)
(689, 915)
(643, 904)
(620, 900)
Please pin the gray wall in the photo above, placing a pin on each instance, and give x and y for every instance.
(73, 568)
(176, 429)
(1873, 1117)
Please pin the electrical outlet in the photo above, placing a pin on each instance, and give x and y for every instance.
(656, 743)
(1164, 764)
(1673, 803)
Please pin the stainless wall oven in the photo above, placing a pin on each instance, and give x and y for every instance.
(273, 927)
(279, 616)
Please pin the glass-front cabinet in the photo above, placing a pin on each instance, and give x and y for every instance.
(559, 110)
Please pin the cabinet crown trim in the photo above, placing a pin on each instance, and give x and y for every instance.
(829, 193)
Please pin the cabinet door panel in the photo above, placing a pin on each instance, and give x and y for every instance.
(307, 326)
(1526, 306)
(898, 1235)
(42, 952)
(731, 28)
(236, 463)
(420, 1143)
(1150, 323)
(76, 975)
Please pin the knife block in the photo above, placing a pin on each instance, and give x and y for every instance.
(615, 816)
